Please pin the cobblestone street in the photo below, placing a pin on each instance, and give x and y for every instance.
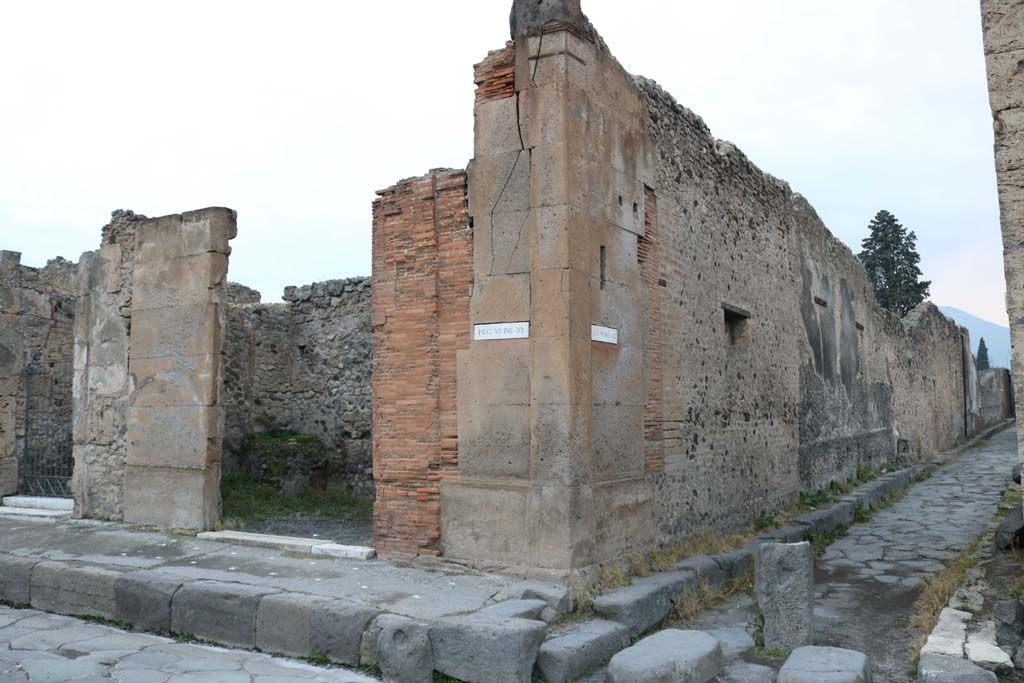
(868, 581)
(44, 648)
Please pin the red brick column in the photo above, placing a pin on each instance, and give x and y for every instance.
(422, 276)
(649, 250)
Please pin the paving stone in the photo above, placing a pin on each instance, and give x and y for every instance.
(742, 672)
(735, 641)
(934, 668)
(825, 665)
(558, 597)
(223, 613)
(669, 656)
(567, 657)
(143, 599)
(784, 586)
(646, 602)
(70, 589)
(404, 651)
(480, 650)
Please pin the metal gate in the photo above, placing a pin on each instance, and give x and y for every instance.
(46, 462)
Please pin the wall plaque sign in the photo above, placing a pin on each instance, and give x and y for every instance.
(605, 335)
(501, 331)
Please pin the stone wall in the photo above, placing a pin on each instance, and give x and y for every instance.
(304, 366)
(102, 382)
(422, 279)
(995, 395)
(744, 431)
(1003, 22)
(36, 324)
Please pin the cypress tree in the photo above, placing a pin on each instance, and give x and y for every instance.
(889, 254)
(982, 362)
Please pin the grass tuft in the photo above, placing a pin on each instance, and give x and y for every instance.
(936, 592)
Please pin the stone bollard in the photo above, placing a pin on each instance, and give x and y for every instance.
(784, 585)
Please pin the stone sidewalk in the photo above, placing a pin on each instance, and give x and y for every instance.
(36, 647)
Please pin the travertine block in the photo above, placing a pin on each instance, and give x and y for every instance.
(495, 373)
(195, 232)
(494, 440)
(561, 238)
(172, 498)
(501, 298)
(502, 243)
(176, 331)
(616, 432)
(184, 281)
(175, 380)
(177, 436)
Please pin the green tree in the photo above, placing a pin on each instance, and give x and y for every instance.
(889, 254)
(982, 361)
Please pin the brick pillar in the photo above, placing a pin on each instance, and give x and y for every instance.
(552, 471)
(422, 275)
(175, 419)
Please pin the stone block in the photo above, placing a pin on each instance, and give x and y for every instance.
(175, 331)
(1010, 532)
(557, 596)
(945, 669)
(738, 563)
(784, 585)
(185, 281)
(501, 299)
(560, 305)
(615, 198)
(15, 578)
(496, 129)
(561, 235)
(560, 371)
(504, 243)
(741, 672)
(831, 664)
(569, 657)
(178, 436)
(76, 590)
(645, 604)
(621, 308)
(175, 381)
(171, 497)
(494, 441)
(143, 599)
(1005, 80)
(480, 650)
(495, 374)
(295, 624)
(404, 650)
(557, 176)
(500, 183)
(670, 656)
(1009, 619)
(1004, 25)
(706, 569)
(473, 512)
(514, 609)
(195, 232)
(223, 613)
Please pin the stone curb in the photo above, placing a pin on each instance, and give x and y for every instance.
(306, 546)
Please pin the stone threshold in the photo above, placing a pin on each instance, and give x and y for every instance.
(307, 546)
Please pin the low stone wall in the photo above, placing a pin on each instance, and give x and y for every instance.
(303, 366)
(36, 324)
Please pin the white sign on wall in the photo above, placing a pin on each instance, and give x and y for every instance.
(501, 331)
(605, 335)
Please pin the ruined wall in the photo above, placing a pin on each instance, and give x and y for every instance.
(36, 324)
(1003, 23)
(995, 395)
(102, 384)
(745, 431)
(422, 278)
(303, 365)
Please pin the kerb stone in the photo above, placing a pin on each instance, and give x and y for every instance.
(143, 599)
(644, 604)
(481, 650)
(825, 665)
(223, 613)
(15, 578)
(946, 669)
(569, 657)
(78, 590)
(404, 651)
(294, 624)
(784, 585)
(670, 656)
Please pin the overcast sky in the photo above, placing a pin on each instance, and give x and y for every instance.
(294, 112)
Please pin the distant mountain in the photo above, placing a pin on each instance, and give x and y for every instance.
(997, 338)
